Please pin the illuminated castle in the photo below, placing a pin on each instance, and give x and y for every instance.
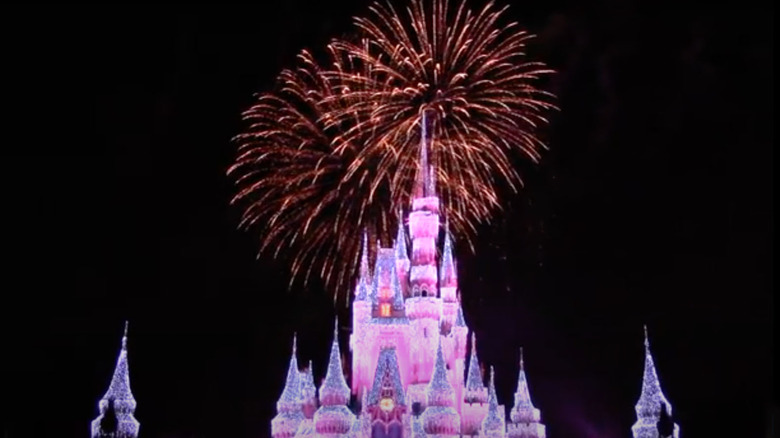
(408, 343)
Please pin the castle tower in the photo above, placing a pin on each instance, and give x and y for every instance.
(402, 255)
(652, 405)
(440, 417)
(308, 392)
(424, 222)
(493, 424)
(448, 285)
(423, 307)
(289, 410)
(475, 400)
(386, 401)
(361, 315)
(457, 358)
(526, 419)
(333, 418)
(117, 406)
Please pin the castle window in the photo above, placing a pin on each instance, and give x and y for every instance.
(384, 309)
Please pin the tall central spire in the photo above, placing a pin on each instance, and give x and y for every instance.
(424, 183)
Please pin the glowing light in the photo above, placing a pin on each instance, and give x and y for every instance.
(385, 309)
(387, 404)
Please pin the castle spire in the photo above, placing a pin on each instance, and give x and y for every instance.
(440, 391)
(333, 417)
(525, 417)
(523, 395)
(493, 424)
(308, 391)
(289, 401)
(120, 398)
(475, 387)
(334, 390)
(361, 292)
(440, 417)
(398, 294)
(448, 275)
(401, 253)
(459, 320)
(376, 281)
(364, 268)
(424, 184)
(652, 402)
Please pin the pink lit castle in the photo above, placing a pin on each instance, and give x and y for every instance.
(409, 375)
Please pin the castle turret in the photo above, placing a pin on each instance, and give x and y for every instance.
(440, 417)
(308, 392)
(457, 360)
(475, 396)
(423, 307)
(448, 286)
(117, 406)
(475, 386)
(289, 410)
(424, 223)
(448, 274)
(526, 419)
(402, 262)
(653, 409)
(333, 417)
(361, 314)
(493, 424)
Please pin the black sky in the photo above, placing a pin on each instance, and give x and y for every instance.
(654, 205)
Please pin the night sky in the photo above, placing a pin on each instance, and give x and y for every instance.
(653, 205)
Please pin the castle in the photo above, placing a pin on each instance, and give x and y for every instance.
(409, 375)
(408, 343)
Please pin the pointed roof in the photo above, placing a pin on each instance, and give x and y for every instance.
(423, 185)
(492, 421)
(448, 273)
(119, 388)
(334, 384)
(363, 291)
(649, 404)
(522, 395)
(387, 365)
(364, 268)
(291, 394)
(459, 320)
(401, 252)
(474, 380)
(398, 294)
(439, 391)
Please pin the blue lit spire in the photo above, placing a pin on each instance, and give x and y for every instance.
(334, 390)
(120, 398)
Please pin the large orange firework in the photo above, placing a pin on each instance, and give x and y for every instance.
(335, 149)
(296, 188)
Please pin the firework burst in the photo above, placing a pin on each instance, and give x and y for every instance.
(295, 187)
(334, 150)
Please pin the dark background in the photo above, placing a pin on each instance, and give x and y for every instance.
(652, 206)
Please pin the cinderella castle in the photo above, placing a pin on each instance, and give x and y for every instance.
(409, 342)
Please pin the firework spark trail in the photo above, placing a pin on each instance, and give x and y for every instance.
(334, 149)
